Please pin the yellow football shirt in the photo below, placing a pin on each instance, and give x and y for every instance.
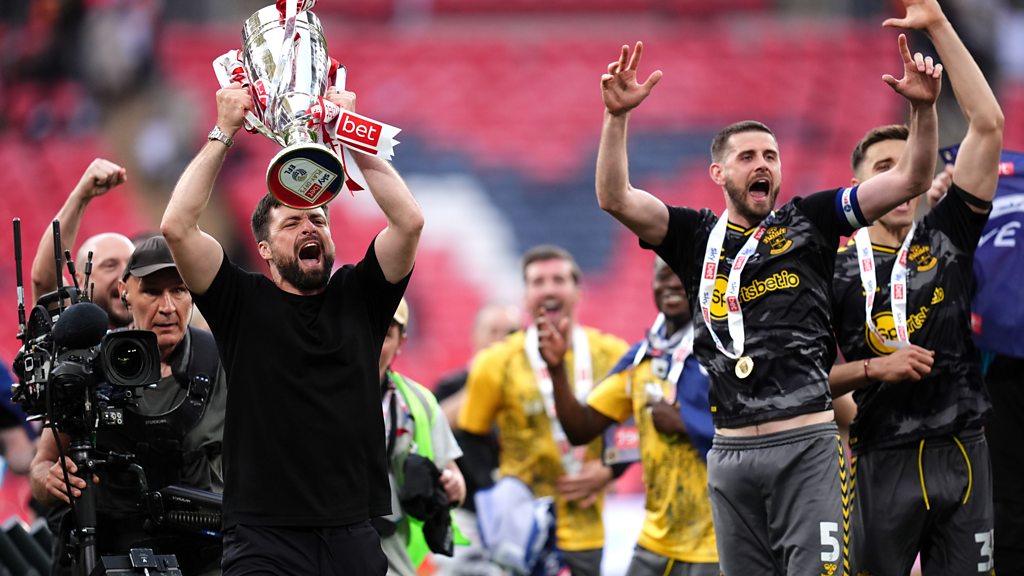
(678, 520)
(502, 389)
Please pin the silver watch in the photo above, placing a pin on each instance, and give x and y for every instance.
(220, 136)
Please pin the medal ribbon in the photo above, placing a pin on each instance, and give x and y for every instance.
(678, 352)
(716, 241)
(572, 457)
(897, 286)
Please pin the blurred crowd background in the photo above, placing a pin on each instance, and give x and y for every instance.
(500, 112)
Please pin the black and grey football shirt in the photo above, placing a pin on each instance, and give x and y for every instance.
(940, 285)
(785, 301)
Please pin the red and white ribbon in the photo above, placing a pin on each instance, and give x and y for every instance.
(342, 130)
(709, 273)
(897, 286)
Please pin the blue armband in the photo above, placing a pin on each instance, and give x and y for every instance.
(848, 209)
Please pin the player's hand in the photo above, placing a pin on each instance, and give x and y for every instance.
(940, 185)
(665, 417)
(343, 98)
(586, 486)
(922, 77)
(619, 87)
(454, 486)
(99, 178)
(55, 481)
(907, 363)
(921, 15)
(552, 340)
(233, 102)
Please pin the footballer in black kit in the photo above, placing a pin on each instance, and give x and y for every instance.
(776, 471)
(921, 468)
(795, 478)
(785, 303)
(940, 284)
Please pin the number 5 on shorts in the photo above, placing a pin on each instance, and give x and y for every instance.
(828, 540)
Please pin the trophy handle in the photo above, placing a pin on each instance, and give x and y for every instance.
(340, 74)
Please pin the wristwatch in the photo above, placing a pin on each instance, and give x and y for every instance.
(220, 136)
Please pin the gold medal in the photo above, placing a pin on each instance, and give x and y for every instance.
(744, 366)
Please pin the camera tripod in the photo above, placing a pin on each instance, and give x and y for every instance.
(82, 541)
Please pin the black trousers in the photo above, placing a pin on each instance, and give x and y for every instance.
(285, 551)
(1005, 435)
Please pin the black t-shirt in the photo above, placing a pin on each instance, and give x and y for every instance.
(940, 284)
(785, 302)
(304, 437)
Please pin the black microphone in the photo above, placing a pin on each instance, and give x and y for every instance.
(81, 325)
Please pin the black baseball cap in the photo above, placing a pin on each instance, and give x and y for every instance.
(149, 256)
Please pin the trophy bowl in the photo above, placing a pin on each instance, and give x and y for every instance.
(288, 80)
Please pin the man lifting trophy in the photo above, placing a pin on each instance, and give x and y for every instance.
(284, 63)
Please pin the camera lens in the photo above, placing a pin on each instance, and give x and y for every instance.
(126, 359)
(130, 358)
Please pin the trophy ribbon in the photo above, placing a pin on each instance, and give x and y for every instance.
(343, 131)
(229, 70)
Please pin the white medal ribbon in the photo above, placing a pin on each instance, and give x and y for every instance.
(897, 286)
(716, 241)
(679, 352)
(572, 457)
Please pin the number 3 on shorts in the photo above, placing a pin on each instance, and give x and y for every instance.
(985, 539)
(828, 540)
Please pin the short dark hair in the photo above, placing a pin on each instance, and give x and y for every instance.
(261, 216)
(874, 136)
(551, 252)
(721, 139)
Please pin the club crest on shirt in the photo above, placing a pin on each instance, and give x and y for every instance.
(921, 254)
(775, 238)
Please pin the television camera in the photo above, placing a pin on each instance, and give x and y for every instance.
(79, 378)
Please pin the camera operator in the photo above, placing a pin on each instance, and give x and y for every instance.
(174, 430)
(110, 249)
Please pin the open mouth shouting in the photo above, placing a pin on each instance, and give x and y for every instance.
(310, 255)
(551, 308)
(760, 190)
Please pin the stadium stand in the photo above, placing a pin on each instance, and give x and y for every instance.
(515, 109)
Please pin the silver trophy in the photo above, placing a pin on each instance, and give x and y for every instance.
(286, 64)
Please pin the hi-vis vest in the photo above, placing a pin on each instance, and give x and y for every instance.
(422, 407)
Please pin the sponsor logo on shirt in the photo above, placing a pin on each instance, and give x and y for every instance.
(915, 321)
(755, 289)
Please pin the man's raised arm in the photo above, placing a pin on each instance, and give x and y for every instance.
(913, 173)
(641, 212)
(396, 244)
(977, 161)
(198, 255)
(99, 178)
